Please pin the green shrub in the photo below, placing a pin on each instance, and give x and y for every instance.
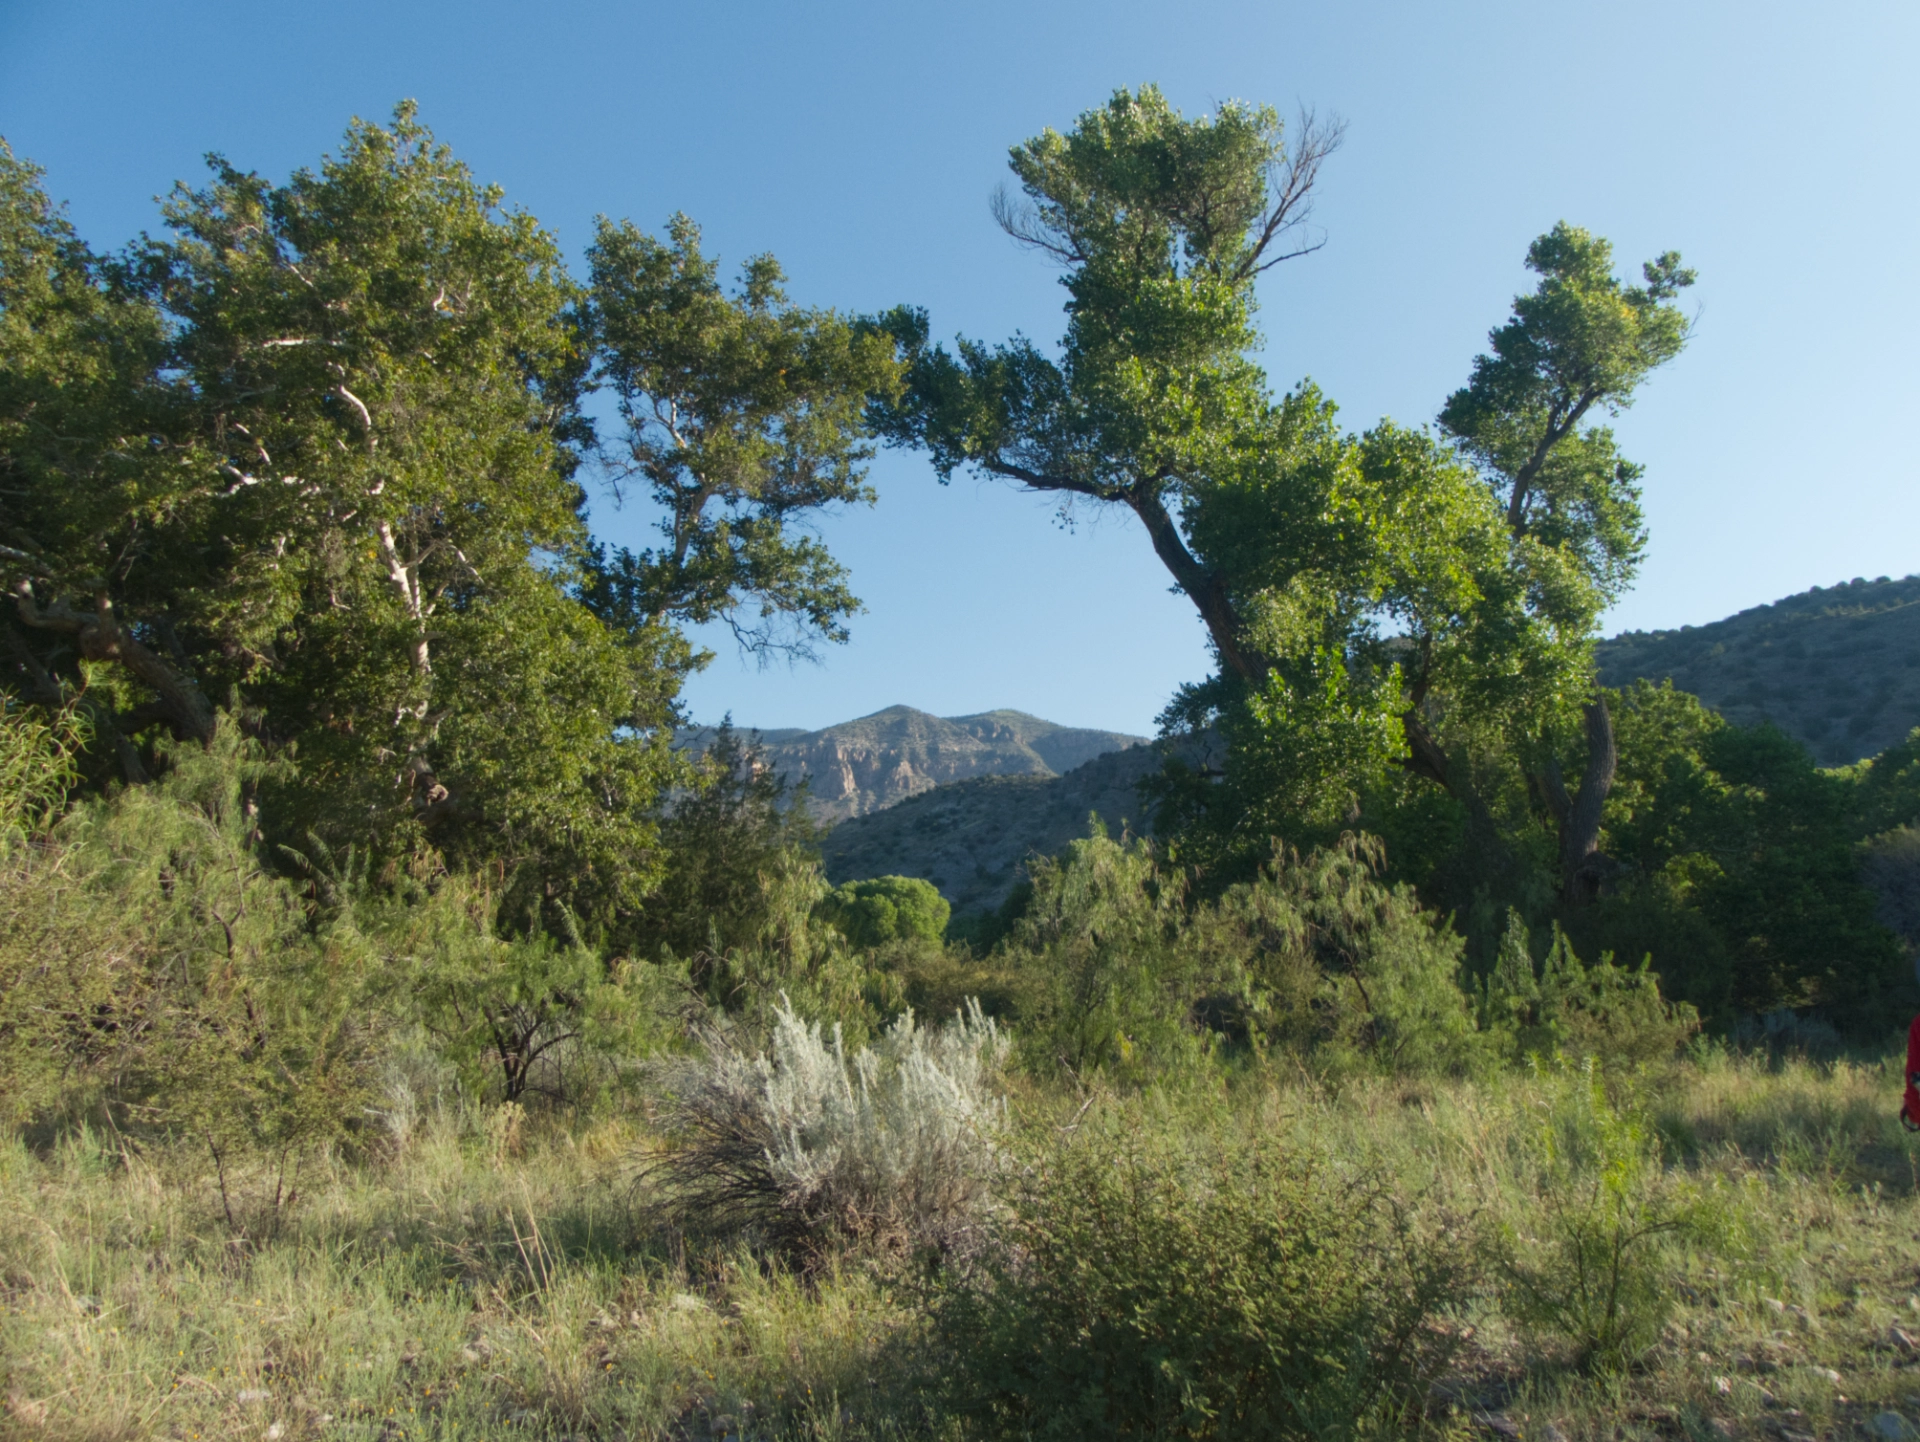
(783, 956)
(1590, 1250)
(1560, 1007)
(159, 976)
(1390, 986)
(1892, 872)
(727, 840)
(885, 909)
(1226, 1290)
(1316, 953)
(1110, 986)
(521, 1016)
(36, 768)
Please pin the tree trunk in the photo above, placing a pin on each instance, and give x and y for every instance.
(1583, 867)
(1206, 589)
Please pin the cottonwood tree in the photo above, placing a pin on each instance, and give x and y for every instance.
(1396, 597)
(1579, 346)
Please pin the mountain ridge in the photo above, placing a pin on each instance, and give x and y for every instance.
(1835, 667)
(858, 767)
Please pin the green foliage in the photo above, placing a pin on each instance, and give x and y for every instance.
(160, 978)
(1222, 1288)
(1390, 986)
(516, 1015)
(318, 448)
(1890, 787)
(738, 910)
(1561, 1007)
(778, 954)
(1892, 873)
(1371, 600)
(1741, 869)
(886, 908)
(727, 836)
(743, 414)
(1594, 1268)
(36, 768)
(1581, 340)
(1129, 976)
(351, 498)
(1111, 986)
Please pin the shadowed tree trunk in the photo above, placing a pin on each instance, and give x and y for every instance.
(1583, 868)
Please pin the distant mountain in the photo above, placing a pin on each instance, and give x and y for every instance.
(971, 838)
(1836, 667)
(860, 767)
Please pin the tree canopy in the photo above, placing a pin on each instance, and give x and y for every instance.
(1400, 597)
(316, 457)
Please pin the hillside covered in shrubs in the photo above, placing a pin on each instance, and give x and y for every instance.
(405, 1038)
(1837, 668)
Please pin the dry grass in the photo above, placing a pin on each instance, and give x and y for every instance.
(466, 1289)
(494, 1278)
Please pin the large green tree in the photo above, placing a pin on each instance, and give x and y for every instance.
(349, 502)
(315, 454)
(1580, 345)
(1393, 597)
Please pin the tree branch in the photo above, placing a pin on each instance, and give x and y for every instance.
(1044, 481)
(1523, 479)
(407, 584)
(1294, 204)
(100, 636)
(1206, 589)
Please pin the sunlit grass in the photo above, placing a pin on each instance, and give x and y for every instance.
(488, 1280)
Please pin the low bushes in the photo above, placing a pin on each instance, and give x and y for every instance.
(1317, 955)
(1147, 1288)
(160, 980)
(1559, 1006)
(1590, 1228)
(807, 1143)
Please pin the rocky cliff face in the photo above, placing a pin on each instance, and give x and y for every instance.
(860, 767)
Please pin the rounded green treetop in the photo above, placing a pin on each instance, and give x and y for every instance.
(886, 908)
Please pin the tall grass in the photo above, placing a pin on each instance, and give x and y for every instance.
(495, 1273)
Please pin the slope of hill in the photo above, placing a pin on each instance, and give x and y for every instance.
(964, 802)
(970, 838)
(863, 766)
(1837, 667)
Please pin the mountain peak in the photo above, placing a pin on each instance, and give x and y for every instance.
(874, 761)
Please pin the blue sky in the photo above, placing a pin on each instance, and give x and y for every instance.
(1774, 145)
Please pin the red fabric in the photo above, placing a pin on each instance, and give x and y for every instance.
(1910, 1107)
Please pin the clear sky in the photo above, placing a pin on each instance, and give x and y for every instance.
(1774, 145)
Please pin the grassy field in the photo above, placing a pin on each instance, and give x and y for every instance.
(498, 1274)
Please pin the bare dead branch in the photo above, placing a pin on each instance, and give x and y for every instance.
(1290, 185)
(1022, 220)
